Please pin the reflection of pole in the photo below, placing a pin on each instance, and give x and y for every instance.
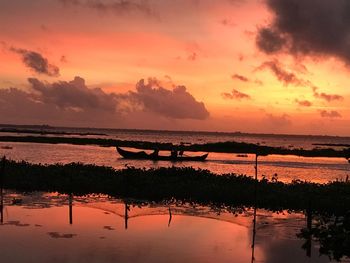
(309, 229)
(254, 232)
(70, 202)
(126, 215)
(1, 189)
(170, 216)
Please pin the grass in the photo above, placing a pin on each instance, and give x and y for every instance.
(180, 184)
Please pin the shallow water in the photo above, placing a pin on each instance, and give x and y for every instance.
(100, 229)
(287, 168)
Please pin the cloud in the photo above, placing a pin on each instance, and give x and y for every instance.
(308, 27)
(177, 103)
(326, 97)
(36, 62)
(73, 103)
(119, 7)
(192, 56)
(303, 103)
(74, 95)
(281, 74)
(269, 40)
(330, 114)
(235, 94)
(279, 121)
(228, 22)
(240, 77)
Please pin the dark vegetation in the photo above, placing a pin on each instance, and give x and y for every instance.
(221, 147)
(181, 184)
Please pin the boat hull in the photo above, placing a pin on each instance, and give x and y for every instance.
(144, 156)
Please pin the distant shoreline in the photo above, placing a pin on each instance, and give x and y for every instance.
(47, 128)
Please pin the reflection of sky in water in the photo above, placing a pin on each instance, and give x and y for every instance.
(98, 233)
(287, 167)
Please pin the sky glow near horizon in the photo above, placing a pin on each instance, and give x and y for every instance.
(226, 65)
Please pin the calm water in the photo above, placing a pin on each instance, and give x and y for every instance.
(287, 168)
(41, 228)
(288, 141)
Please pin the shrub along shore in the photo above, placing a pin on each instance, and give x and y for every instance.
(220, 147)
(176, 184)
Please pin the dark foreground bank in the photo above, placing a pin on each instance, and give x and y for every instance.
(176, 184)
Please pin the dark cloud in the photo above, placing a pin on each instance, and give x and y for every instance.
(269, 40)
(330, 114)
(240, 77)
(36, 62)
(74, 94)
(303, 103)
(279, 121)
(177, 103)
(73, 103)
(118, 7)
(235, 94)
(281, 74)
(325, 96)
(308, 27)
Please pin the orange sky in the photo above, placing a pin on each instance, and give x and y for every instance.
(210, 47)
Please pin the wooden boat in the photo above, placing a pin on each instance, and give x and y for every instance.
(144, 156)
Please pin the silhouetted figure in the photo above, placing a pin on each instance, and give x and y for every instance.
(155, 153)
(181, 149)
(173, 153)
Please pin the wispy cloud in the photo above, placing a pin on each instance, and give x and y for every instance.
(281, 74)
(118, 7)
(240, 77)
(37, 62)
(235, 94)
(330, 114)
(304, 103)
(325, 96)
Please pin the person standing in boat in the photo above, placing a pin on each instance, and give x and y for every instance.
(173, 153)
(155, 153)
(181, 149)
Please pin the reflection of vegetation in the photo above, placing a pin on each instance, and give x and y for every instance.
(228, 147)
(58, 235)
(333, 235)
(181, 184)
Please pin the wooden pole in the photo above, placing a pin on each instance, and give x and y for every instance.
(255, 200)
(1, 189)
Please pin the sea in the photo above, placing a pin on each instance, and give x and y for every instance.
(285, 168)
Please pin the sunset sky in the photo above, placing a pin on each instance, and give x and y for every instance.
(272, 66)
